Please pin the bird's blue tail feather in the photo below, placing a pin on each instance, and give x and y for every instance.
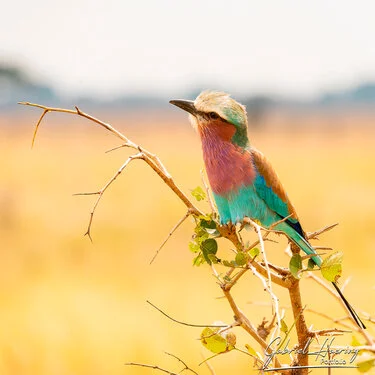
(301, 242)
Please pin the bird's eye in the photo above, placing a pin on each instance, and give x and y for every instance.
(213, 115)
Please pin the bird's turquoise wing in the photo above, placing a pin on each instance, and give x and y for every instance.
(268, 187)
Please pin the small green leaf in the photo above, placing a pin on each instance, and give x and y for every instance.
(355, 341)
(210, 227)
(254, 252)
(251, 350)
(367, 364)
(208, 224)
(213, 258)
(198, 193)
(295, 265)
(198, 260)
(310, 264)
(218, 342)
(284, 327)
(241, 258)
(206, 217)
(226, 263)
(194, 247)
(227, 278)
(331, 267)
(212, 341)
(208, 246)
(201, 234)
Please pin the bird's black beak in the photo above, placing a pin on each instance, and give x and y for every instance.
(186, 105)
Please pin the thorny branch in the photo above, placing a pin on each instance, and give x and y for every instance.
(154, 367)
(265, 271)
(184, 323)
(152, 160)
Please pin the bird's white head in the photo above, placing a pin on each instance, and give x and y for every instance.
(215, 108)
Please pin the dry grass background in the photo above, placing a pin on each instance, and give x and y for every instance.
(71, 307)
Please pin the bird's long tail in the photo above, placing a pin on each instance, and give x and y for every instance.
(305, 246)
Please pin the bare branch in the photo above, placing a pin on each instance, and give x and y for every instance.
(180, 360)
(340, 321)
(210, 201)
(210, 368)
(105, 187)
(246, 325)
(314, 235)
(152, 160)
(37, 126)
(183, 323)
(154, 367)
(188, 213)
(299, 318)
(329, 332)
(267, 282)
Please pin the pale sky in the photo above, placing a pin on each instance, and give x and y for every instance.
(110, 47)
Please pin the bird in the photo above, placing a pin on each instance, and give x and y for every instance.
(243, 182)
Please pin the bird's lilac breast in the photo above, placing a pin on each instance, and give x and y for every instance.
(228, 166)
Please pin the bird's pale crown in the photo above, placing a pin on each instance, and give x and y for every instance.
(222, 104)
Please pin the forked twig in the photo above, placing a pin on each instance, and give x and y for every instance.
(151, 159)
(105, 187)
(180, 360)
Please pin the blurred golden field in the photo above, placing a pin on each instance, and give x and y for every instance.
(72, 307)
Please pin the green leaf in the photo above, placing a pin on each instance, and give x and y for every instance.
(198, 193)
(241, 258)
(310, 264)
(295, 265)
(194, 247)
(206, 217)
(254, 252)
(331, 267)
(201, 234)
(284, 327)
(227, 278)
(251, 350)
(367, 364)
(213, 258)
(218, 342)
(226, 263)
(209, 246)
(355, 341)
(208, 224)
(198, 260)
(210, 227)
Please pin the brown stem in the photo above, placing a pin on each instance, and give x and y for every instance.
(303, 333)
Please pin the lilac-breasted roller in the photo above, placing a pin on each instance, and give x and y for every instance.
(242, 180)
